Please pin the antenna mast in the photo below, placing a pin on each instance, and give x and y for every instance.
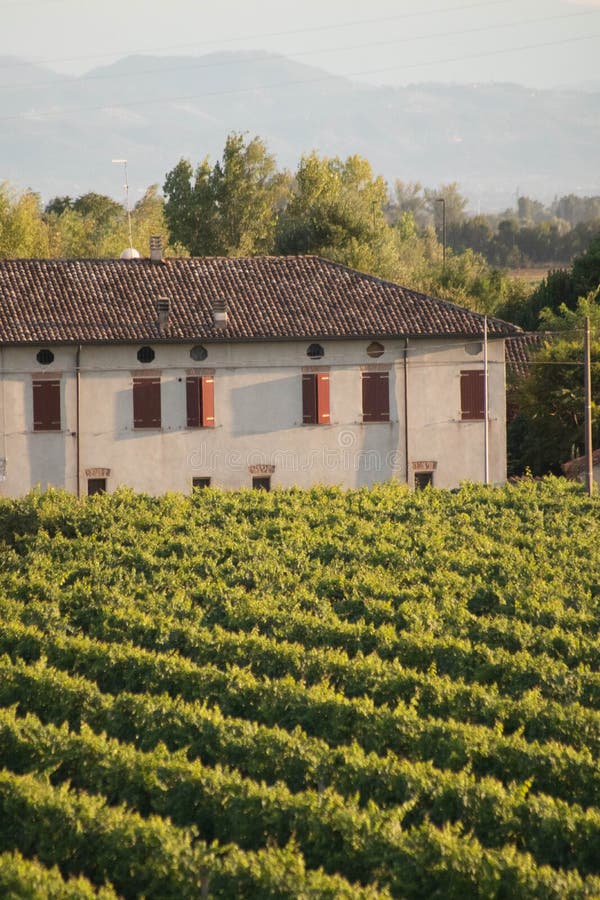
(124, 163)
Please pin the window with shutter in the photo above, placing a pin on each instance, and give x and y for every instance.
(146, 402)
(315, 398)
(46, 405)
(376, 397)
(472, 394)
(200, 401)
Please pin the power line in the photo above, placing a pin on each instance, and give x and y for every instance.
(34, 116)
(262, 59)
(264, 34)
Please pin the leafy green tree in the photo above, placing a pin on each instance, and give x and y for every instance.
(549, 429)
(229, 209)
(561, 287)
(22, 229)
(337, 211)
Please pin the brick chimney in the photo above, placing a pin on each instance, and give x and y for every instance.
(219, 307)
(162, 307)
(156, 248)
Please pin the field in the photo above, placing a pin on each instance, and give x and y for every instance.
(301, 694)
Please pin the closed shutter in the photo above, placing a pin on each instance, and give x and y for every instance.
(194, 401)
(146, 403)
(472, 394)
(323, 398)
(376, 397)
(208, 401)
(46, 405)
(309, 399)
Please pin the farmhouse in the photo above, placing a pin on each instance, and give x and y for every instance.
(162, 374)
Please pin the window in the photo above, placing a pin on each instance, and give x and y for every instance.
(45, 357)
(423, 480)
(201, 482)
(472, 394)
(375, 349)
(261, 482)
(199, 353)
(200, 397)
(46, 404)
(145, 355)
(375, 397)
(146, 402)
(315, 398)
(315, 351)
(96, 486)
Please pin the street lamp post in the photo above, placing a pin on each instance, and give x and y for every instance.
(442, 200)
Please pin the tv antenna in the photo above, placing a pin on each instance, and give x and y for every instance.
(123, 162)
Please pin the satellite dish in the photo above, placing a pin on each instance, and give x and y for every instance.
(129, 253)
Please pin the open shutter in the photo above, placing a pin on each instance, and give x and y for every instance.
(323, 398)
(146, 403)
(309, 399)
(376, 397)
(194, 401)
(472, 394)
(46, 405)
(208, 401)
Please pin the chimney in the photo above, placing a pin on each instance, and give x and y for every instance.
(162, 307)
(156, 248)
(219, 308)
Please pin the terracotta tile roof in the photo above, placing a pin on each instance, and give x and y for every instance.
(575, 467)
(519, 350)
(95, 300)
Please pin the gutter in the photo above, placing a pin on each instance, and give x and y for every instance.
(406, 406)
(78, 417)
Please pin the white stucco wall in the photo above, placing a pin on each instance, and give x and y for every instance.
(258, 418)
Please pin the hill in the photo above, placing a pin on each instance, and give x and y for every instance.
(61, 133)
(361, 694)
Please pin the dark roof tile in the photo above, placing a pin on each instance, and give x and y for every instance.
(97, 300)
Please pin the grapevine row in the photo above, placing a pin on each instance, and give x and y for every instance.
(223, 804)
(383, 682)
(551, 768)
(152, 857)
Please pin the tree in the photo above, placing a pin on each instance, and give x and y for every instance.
(549, 429)
(22, 229)
(230, 209)
(337, 211)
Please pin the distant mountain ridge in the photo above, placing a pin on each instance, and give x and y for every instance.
(494, 139)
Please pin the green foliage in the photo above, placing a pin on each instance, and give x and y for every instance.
(292, 694)
(550, 428)
(24, 879)
(229, 209)
(22, 231)
(336, 211)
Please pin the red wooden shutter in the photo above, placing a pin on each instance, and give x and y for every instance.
(208, 401)
(323, 398)
(472, 394)
(46, 405)
(146, 402)
(309, 399)
(194, 401)
(376, 397)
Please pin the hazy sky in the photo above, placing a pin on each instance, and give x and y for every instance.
(541, 43)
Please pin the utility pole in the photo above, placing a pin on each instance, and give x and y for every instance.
(486, 405)
(589, 474)
(442, 200)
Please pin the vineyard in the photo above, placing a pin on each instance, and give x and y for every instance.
(301, 694)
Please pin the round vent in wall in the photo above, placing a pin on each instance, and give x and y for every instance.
(45, 357)
(198, 353)
(375, 349)
(145, 354)
(315, 351)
